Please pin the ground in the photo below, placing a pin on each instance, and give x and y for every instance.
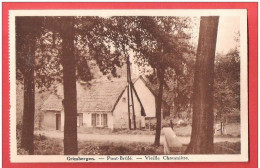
(126, 142)
(231, 130)
(129, 138)
(54, 146)
(122, 148)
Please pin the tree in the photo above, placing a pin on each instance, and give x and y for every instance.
(161, 43)
(121, 36)
(69, 85)
(46, 43)
(227, 82)
(181, 87)
(83, 38)
(203, 117)
(178, 86)
(227, 85)
(28, 29)
(37, 66)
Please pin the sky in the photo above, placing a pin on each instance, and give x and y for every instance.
(227, 29)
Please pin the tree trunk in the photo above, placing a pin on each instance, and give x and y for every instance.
(203, 116)
(190, 109)
(160, 74)
(177, 103)
(29, 101)
(220, 115)
(70, 92)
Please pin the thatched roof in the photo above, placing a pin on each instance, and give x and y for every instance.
(99, 96)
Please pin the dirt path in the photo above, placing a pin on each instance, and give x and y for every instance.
(125, 137)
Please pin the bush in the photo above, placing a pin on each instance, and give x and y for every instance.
(47, 146)
(21, 151)
(40, 137)
(150, 124)
(227, 148)
(42, 145)
(177, 122)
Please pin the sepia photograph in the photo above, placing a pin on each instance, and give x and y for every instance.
(128, 85)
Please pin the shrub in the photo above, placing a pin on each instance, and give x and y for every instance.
(150, 123)
(47, 146)
(227, 148)
(21, 151)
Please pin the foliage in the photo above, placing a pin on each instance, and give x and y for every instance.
(167, 48)
(178, 89)
(163, 48)
(227, 82)
(47, 146)
(227, 148)
(42, 144)
(91, 43)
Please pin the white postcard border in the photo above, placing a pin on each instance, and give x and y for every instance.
(243, 157)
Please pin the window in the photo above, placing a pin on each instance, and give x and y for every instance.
(99, 120)
(93, 121)
(80, 119)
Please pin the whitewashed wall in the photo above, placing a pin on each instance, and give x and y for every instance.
(119, 117)
(147, 98)
(120, 113)
(49, 120)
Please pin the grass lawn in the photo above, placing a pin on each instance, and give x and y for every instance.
(97, 148)
(105, 131)
(52, 146)
(231, 130)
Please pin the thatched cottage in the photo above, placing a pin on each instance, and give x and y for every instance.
(104, 103)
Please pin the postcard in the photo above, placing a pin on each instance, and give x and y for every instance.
(128, 85)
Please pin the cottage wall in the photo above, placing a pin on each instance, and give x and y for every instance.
(147, 98)
(87, 119)
(119, 117)
(49, 120)
(120, 113)
(110, 121)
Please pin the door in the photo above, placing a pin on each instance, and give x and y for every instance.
(58, 121)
